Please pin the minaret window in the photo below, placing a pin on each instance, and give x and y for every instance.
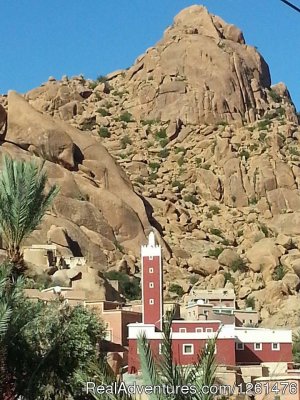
(150, 270)
(151, 301)
(151, 285)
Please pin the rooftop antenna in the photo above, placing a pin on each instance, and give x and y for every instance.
(288, 3)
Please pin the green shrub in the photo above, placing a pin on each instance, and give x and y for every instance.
(175, 288)
(38, 282)
(280, 112)
(252, 200)
(294, 151)
(149, 121)
(263, 124)
(108, 105)
(154, 166)
(250, 302)
(215, 252)
(214, 209)
(124, 141)
(93, 85)
(217, 232)
(130, 287)
(153, 176)
(180, 150)
(238, 265)
(245, 153)
(275, 96)
(101, 79)
(164, 142)
(191, 198)
(161, 134)
(225, 242)
(104, 132)
(279, 272)
(164, 153)
(119, 246)
(206, 166)
(103, 112)
(125, 117)
(229, 278)
(178, 184)
(262, 136)
(119, 93)
(194, 279)
(88, 125)
(198, 162)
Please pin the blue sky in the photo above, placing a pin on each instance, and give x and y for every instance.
(40, 38)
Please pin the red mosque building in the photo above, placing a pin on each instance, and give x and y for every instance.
(235, 346)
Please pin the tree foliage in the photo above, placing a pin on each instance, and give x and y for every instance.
(165, 370)
(23, 202)
(46, 345)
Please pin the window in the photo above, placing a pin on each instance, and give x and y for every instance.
(276, 346)
(208, 329)
(151, 301)
(151, 285)
(182, 330)
(199, 330)
(159, 348)
(250, 321)
(150, 257)
(257, 346)
(188, 349)
(150, 270)
(239, 346)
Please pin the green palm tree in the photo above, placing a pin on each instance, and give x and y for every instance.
(23, 203)
(165, 371)
(10, 292)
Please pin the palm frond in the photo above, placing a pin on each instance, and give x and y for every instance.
(148, 365)
(166, 371)
(100, 373)
(23, 201)
(203, 372)
(5, 315)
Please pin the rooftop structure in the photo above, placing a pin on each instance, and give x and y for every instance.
(236, 347)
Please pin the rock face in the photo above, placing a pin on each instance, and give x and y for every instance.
(192, 142)
(200, 72)
(96, 206)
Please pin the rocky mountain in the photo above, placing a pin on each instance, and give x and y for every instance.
(193, 141)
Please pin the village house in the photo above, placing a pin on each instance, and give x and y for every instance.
(248, 351)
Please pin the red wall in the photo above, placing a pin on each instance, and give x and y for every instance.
(225, 352)
(152, 312)
(251, 356)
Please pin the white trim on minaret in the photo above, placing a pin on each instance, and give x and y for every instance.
(150, 251)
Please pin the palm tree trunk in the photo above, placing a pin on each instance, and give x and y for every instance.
(15, 257)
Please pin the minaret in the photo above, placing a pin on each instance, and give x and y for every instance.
(152, 285)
